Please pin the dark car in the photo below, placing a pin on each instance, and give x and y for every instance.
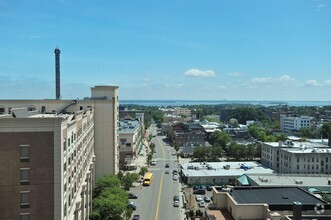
(176, 198)
(136, 217)
(167, 166)
(209, 188)
(174, 171)
(195, 188)
(132, 205)
(132, 196)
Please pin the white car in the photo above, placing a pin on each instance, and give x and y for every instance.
(175, 177)
(176, 203)
(153, 163)
(202, 204)
(198, 198)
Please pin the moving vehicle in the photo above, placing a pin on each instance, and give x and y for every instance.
(132, 196)
(175, 177)
(176, 198)
(167, 172)
(176, 203)
(148, 178)
(167, 166)
(153, 163)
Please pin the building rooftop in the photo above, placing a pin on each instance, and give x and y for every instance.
(321, 182)
(223, 169)
(128, 126)
(273, 195)
(288, 144)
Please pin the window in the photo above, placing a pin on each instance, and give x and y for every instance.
(25, 153)
(24, 216)
(25, 176)
(65, 209)
(64, 145)
(43, 109)
(25, 199)
(64, 167)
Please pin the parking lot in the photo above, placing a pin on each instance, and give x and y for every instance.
(192, 203)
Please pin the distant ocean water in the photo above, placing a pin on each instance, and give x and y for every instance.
(160, 103)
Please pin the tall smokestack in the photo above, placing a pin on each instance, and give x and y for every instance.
(57, 73)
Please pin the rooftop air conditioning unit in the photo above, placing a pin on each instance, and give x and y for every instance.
(298, 181)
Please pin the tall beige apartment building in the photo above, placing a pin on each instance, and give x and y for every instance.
(52, 150)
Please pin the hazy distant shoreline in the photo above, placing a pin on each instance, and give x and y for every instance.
(220, 102)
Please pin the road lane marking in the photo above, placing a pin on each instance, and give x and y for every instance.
(160, 190)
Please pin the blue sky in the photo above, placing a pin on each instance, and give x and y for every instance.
(169, 49)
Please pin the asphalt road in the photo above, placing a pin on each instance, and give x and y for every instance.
(155, 202)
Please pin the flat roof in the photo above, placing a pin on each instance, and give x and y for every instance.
(297, 145)
(291, 180)
(128, 126)
(273, 195)
(223, 169)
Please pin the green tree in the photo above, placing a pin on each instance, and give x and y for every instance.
(142, 171)
(326, 130)
(233, 123)
(149, 158)
(128, 180)
(216, 152)
(152, 147)
(110, 204)
(120, 175)
(200, 153)
(220, 137)
(105, 182)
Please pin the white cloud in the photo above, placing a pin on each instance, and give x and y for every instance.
(200, 73)
(147, 79)
(285, 78)
(311, 82)
(262, 80)
(320, 6)
(235, 74)
(327, 82)
(222, 87)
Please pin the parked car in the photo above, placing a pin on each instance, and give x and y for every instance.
(174, 171)
(209, 188)
(176, 203)
(176, 198)
(132, 205)
(136, 217)
(132, 196)
(153, 163)
(207, 199)
(195, 188)
(202, 204)
(198, 198)
(175, 177)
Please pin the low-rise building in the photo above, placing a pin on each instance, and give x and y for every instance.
(294, 123)
(296, 157)
(219, 172)
(246, 203)
(130, 137)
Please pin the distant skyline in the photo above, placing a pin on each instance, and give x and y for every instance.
(168, 49)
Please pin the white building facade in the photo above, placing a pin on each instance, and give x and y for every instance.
(296, 157)
(294, 123)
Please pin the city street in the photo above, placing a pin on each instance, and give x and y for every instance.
(156, 201)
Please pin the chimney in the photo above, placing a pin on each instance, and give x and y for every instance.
(57, 73)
